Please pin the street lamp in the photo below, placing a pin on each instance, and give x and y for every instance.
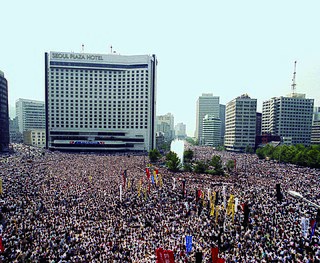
(298, 195)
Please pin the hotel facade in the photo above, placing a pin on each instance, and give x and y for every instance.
(103, 102)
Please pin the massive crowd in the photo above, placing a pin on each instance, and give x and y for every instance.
(65, 207)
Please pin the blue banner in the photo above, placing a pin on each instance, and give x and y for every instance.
(189, 243)
(152, 179)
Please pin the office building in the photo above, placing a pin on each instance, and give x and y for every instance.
(100, 102)
(211, 131)
(258, 123)
(165, 124)
(290, 117)
(240, 123)
(4, 114)
(30, 114)
(222, 117)
(35, 137)
(315, 129)
(180, 130)
(207, 104)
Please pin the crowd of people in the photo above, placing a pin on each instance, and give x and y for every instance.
(72, 207)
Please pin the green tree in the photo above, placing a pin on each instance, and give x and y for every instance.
(249, 149)
(154, 155)
(173, 162)
(187, 167)
(230, 165)
(260, 153)
(200, 167)
(191, 141)
(216, 162)
(187, 156)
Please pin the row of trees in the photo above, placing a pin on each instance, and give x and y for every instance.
(173, 163)
(295, 154)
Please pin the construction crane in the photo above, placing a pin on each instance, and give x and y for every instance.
(293, 85)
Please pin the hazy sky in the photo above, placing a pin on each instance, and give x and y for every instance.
(225, 47)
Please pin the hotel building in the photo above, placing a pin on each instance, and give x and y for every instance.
(103, 102)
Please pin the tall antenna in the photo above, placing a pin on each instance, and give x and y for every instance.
(293, 85)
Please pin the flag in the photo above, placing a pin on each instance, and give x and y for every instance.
(1, 245)
(224, 196)
(120, 187)
(214, 254)
(148, 173)
(313, 227)
(152, 179)
(236, 203)
(188, 244)
(174, 183)
(230, 203)
(212, 209)
(164, 256)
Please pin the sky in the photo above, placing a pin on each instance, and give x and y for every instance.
(226, 47)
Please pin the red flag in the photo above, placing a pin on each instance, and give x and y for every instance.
(214, 254)
(156, 170)
(1, 245)
(148, 173)
(164, 256)
(221, 260)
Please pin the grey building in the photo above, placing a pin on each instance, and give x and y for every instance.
(211, 131)
(240, 123)
(207, 104)
(289, 117)
(30, 114)
(315, 130)
(4, 114)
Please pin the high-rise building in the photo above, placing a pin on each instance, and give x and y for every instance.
(4, 114)
(240, 123)
(315, 130)
(165, 124)
(207, 104)
(100, 101)
(289, 117)
(211, 131)
(180, 130)
(30, 114)
(258, 123)
(222, 116)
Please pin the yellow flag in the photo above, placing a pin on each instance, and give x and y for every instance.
(229, 206)
(212, 209)
(214, 198)
(129, 184)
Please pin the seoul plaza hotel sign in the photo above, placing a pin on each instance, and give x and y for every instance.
(75, 56)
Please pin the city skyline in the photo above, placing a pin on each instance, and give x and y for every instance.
(226, 48)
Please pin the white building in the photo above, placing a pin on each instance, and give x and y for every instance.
(180, 130)
(211, 132)
(100, 102)
(206, 104)
(30, 114)
(36, 137)
(315, 130)
(165, 124)
(240, 123)
(289, 116)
